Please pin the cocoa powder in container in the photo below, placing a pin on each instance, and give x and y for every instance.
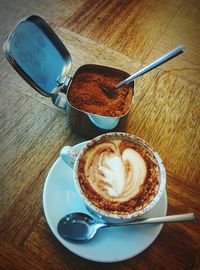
(86, 94)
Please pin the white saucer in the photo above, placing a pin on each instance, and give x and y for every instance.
(110, 244)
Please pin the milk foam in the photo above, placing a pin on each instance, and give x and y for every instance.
(115, 175)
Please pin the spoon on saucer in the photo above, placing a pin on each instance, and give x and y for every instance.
(166, 57)
(80, 227)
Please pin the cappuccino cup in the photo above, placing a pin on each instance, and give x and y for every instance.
(118, 175)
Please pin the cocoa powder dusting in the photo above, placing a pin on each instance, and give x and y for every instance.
(147, 191)
(86, 94)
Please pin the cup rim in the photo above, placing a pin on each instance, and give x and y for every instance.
(99, 211)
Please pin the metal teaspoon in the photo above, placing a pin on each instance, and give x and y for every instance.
(166, 57)
(80, 227)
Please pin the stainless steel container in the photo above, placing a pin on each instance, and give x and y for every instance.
(38, 55)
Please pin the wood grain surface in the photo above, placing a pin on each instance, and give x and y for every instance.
(125, 34)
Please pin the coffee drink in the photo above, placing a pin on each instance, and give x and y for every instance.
(118, 174)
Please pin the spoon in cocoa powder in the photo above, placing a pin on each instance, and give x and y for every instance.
(80, 227)
(168, 56)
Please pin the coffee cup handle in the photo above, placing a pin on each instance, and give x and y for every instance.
(68, 155)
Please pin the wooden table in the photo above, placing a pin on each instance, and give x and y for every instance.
(126, 35)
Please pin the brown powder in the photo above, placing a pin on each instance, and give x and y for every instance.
(86, 94)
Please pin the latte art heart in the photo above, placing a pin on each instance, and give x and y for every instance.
(117, 176)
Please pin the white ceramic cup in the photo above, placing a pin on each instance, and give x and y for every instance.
(71, 156)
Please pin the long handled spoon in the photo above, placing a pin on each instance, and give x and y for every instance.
(80, 227)
(168, 56)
